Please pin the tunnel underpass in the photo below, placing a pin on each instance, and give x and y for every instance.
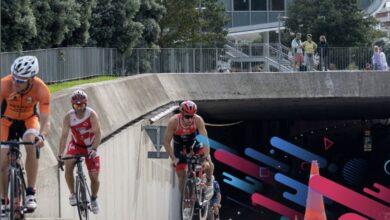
(335, 133)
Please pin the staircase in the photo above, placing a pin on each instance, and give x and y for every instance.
(269, 54)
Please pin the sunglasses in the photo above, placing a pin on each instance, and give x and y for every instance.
(188, 116)
(79, 106)
(19, 81)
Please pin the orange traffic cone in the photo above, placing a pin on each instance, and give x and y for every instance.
(315, 209)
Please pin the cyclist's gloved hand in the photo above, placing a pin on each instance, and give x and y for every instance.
(59, 157)
(40, 140)
(92, 152)
(174, 162)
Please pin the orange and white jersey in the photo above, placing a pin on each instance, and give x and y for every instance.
(81, 128)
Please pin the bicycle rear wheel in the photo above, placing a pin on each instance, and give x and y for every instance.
(188, 200)
(82, 201)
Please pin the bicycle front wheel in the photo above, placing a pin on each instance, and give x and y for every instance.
(203, 203)
(16, 195)
(188, 200)
(82, 200)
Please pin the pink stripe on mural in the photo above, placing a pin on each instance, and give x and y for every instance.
(243, 165)
(349, 198)
(352, 216)
(258, 199)
(383, 194)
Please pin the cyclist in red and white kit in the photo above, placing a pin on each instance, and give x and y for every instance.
(183, 128)
(84, 124)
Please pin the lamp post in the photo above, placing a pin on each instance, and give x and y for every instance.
(280, 18)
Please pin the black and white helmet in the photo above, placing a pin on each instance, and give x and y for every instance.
(25, 66)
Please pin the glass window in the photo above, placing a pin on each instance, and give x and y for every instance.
(241, 5)
(259, 17)
(277, 5)
(227, 4)
(259, 5)
(240, 19)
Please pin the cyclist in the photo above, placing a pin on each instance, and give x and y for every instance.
(21, 94)
(183, 128)
(215, 201)
(84, 124)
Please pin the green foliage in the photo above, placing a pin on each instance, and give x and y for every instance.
(112, 24)
(149, 14)
(54, 20)
(80, 35)
(18, 24)
(190, 23)
(341, 22)
(61, 86)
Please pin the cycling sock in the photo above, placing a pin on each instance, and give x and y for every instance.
(30, 191)
(93, 198)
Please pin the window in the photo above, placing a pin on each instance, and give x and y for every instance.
(227, 4)
(241, 5)
(277, 5)
(259, 5)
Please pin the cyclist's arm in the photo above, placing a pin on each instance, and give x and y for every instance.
(44, 110)
(96, 130)
(169, 131)
(202, 130)
(64, 134)
(45, 123)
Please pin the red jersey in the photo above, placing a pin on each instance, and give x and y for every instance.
(81, 128)
(184, 133)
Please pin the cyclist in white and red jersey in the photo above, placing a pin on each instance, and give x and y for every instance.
(183, 128)
(84, 124)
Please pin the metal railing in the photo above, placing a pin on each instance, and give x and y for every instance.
(63, 64)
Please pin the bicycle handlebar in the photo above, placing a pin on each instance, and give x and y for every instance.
(17, 143)
(77, 157)
(74, 157)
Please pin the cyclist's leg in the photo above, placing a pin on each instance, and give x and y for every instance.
(6, 134)
(93, 166)
(181, 165)
(208, 168)
(71, 149)
(31, 127)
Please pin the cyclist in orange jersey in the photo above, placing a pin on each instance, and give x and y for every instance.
(25, 114)
(183, 128)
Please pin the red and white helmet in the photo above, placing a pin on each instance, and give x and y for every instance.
(188, 107)
(79, 97)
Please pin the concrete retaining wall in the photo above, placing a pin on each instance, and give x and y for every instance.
(135, 187)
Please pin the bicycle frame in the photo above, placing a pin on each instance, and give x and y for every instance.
(194, 188)
(83, 195)
(16, 182)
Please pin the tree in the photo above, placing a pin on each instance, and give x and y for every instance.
(190, 23)
(112, 24)
(343, 23)
(149, 14)
(54, 19)
(80, 36)
(18, 24)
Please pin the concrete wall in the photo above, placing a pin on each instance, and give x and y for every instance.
(135, 187)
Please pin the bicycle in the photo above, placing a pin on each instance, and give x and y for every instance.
(16, 182)
(193, 197)
(83, 195)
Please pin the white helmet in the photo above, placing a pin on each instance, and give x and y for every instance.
(25, 66)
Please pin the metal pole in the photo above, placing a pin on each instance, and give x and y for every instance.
(279, 41)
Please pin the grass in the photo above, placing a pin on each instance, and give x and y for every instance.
(60, 86)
